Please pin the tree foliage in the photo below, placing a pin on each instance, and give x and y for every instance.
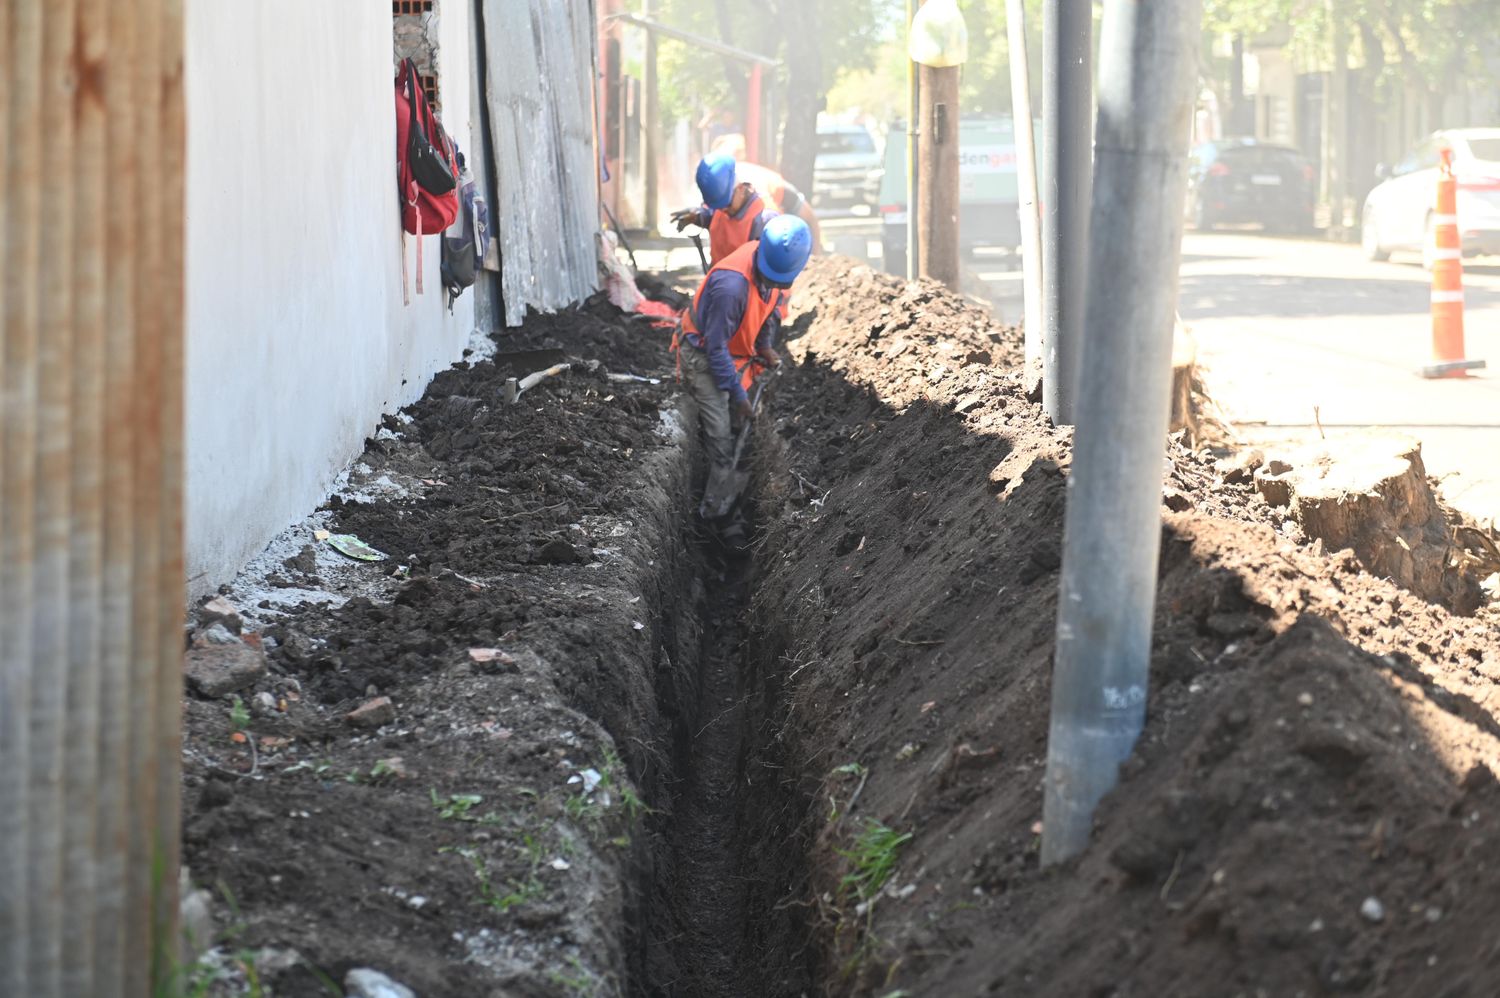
(1404, 42)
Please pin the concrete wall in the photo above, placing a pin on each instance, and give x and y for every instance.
(297, 338)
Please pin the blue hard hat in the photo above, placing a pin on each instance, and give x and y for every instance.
(716, 180)
(784, 248)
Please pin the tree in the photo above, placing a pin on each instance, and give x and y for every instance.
(815, 39)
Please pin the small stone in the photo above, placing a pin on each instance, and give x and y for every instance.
(263, 705)
(1433, 915)
(220, 611)
(366, 983)
(196, 918)
(1305, 699)
(217, 633)
(1371, 910)
(373, 714)
(214, 668)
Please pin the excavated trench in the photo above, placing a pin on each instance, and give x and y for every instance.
(720, 918)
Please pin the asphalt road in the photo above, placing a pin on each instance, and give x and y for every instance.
(1285, 325)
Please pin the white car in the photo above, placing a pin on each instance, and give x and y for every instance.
(1398, 212)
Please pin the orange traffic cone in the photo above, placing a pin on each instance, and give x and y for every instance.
(1447, 282)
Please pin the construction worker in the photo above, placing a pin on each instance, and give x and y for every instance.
(779, 191)
(732, 212)
(728, 332)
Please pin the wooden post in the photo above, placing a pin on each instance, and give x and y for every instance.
(937, 180)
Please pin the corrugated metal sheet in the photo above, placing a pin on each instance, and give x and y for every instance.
(91, 589)
(540, 81)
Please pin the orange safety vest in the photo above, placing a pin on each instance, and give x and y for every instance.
(757, 311)
(727, 233)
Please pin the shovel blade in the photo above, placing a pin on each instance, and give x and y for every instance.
(724, 488)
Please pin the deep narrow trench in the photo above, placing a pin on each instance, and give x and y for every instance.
(716, 873)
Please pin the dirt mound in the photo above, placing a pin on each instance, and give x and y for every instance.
(1307, 807)
(488, 835)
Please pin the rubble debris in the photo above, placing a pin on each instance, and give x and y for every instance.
(363, 982)
(373, 713)
(219, 663)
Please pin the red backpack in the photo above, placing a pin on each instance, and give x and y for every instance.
(426, 168)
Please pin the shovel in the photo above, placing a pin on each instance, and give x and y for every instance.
(725, 483)
(702, 256)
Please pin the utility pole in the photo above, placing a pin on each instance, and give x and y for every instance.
(1031, 231)
(1148, 73)
(651, 147)
(939, 45)
(1067, 150)
(937, 183)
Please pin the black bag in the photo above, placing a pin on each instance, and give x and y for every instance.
(465, 242)
(429, 167)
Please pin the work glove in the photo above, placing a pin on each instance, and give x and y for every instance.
(741, 413)
(683, 217)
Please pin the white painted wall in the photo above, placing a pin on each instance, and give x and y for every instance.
(297, 338)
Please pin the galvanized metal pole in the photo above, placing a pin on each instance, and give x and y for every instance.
(1031, 224)
(1067, 152)
(1148, 69)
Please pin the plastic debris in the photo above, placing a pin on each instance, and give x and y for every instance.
(590, 778)
(352, 547)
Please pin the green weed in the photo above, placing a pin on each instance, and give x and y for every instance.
(518, 891)
(239, 715)
(457, 806)
(873, 858)
(580, 982)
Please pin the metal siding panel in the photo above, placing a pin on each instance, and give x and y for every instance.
(91, 589)
(540, 62)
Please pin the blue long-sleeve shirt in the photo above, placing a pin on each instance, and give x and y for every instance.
(718, 314)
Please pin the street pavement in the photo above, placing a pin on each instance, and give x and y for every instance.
(1287, 326)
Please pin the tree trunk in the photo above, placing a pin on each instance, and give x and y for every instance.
(804, 57)
(734, 71)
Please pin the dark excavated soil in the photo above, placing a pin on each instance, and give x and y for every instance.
(1316, 737)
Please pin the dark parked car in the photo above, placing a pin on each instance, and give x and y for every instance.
(1238, 181)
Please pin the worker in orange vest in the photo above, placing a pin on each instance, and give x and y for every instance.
(776, 189)
(783, 197)
(734, 213)
(729, 330)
